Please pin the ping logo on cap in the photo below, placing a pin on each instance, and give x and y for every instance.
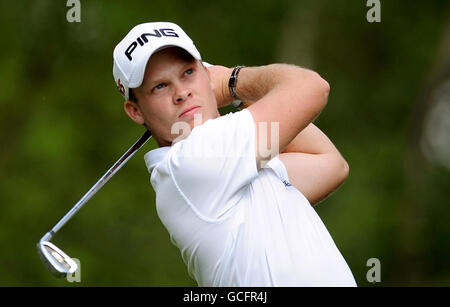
(142, 39)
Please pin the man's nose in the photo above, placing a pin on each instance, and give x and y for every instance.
(181, 94)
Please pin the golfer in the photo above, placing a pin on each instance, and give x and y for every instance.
(235, 192)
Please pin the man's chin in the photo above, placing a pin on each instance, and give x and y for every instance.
(195, 120)
(183, 127)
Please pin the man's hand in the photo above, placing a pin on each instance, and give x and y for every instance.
(219, 76)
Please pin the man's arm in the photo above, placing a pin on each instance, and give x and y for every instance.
(285, 94)
(314, 165)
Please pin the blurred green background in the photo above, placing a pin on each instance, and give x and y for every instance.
(63, 125)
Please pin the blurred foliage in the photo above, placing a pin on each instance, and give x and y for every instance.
(62, 125)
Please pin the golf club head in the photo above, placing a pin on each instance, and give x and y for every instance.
(56, 261)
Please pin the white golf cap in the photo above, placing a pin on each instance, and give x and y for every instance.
(132, 53)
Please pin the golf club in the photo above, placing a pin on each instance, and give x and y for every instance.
(58, 262)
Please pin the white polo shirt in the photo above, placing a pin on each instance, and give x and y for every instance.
(236, 226)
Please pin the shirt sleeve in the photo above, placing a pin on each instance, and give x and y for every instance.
(215, 162)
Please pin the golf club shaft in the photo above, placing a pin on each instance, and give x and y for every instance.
(99, 184)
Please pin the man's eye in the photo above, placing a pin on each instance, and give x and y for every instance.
(159, 86)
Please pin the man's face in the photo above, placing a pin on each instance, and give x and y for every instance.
(175, 88)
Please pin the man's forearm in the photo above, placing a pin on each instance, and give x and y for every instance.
(253, 82)
(311, 140)
(256, 82)
(314, 165)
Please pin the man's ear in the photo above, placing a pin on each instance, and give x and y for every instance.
(133, 111)
(211, 82)
(208, 72)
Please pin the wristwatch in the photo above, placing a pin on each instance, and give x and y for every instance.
(232, 82)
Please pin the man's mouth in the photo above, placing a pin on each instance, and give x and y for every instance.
(189, 111)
